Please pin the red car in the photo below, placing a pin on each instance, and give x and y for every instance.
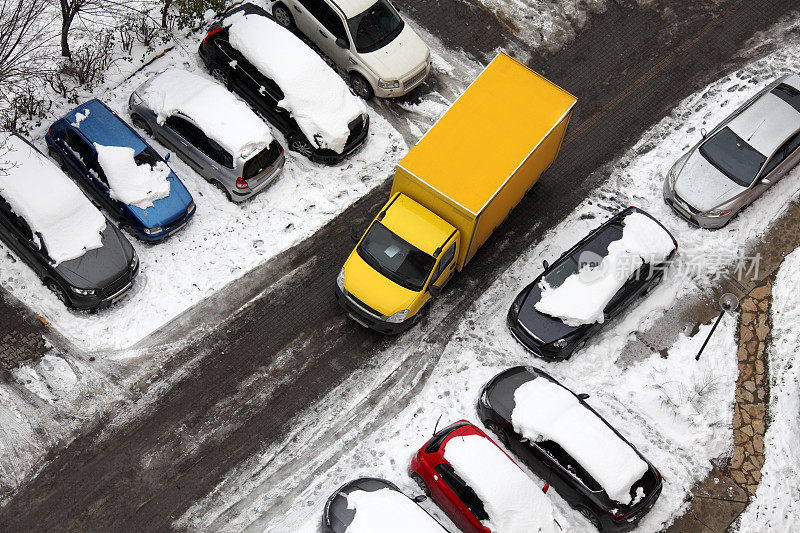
(478, 485)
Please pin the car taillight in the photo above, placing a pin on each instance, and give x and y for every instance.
(618, 516)
(546, 486)
(241, 184)
(50, 130)
(212, 32)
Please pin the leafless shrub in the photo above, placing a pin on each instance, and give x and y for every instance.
(677, 395)
(127, 34)
(24, 39)
(26, 107)
(88, 63)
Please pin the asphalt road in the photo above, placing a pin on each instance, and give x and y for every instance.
(277, 356)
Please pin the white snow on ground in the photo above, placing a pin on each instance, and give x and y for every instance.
(316, 96)
(217, 111)
(132, 184)
(388, 511)
(51, 203)
(776, 506)
(583, 296)
(546, 411)
(677, 419)
(512, 500)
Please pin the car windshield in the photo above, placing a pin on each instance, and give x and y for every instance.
(732, 156)
(396, 259)
(375, 27)
(148, 156)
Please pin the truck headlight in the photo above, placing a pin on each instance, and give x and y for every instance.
(391, 84)
(398, 317)
(82, 292)
(153, 230)
(560, 343)
(340, 280)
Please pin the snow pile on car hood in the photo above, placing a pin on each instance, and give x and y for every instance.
(222, 117)
(317, 98)
(584, 295)
(512, 500)
(544, 410)
(388, 511)
(132, 184)
(50, 203)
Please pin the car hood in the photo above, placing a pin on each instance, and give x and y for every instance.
(100, 267)
(371, 287)
(702, 186)
(398, 59)
(164, 210)
(545, 327)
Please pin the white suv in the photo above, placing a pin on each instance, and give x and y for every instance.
(367, 39)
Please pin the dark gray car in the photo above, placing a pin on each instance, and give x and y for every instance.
(206, 132)
(99, 277)
(739, 159)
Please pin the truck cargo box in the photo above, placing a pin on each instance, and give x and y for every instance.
(480, 158)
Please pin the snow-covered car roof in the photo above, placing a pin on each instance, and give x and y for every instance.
(316, 96)
(584, 295)
(222, 117)
(351, 8)
(768, 122)
(512, 500)
(388, 511)
(51, 204)
(544, 410)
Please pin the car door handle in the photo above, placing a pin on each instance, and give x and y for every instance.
(296, 8)
(323, 34)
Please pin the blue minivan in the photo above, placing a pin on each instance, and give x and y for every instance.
(70, 141)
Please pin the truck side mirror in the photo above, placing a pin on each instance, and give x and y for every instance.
(545, 264)
(434, 290)
(341, 43)
(354, 234)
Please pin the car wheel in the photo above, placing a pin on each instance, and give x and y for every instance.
(361, 86)
(283, 16)
(55, 155)
(499, 432)
(222, 188)
(58, 291)
(590, 516)
(220, 75)
(300, 145)
(421, 483)
(142, 124)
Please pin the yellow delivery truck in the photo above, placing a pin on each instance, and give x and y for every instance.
(452, 189)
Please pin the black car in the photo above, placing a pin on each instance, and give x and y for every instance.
(555, 466)
(337, 517)
(550, 338)
(234, 71)
(99, 277)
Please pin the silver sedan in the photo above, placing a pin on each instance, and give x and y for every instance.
(739, 159)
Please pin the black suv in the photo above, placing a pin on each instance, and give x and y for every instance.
(229, 67)
(96, 279)
(554, 465)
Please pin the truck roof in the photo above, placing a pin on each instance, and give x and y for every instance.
(510, 105)
(424, 229)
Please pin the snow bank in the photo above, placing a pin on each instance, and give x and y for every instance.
(388, 511)
(132, 184)
(217, 112)
(546, 411)
(583, 296)
(315, 95)
(50, 203)
(777, 502)
(512, 500)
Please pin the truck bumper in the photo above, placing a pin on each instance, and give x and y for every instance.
(369, 320)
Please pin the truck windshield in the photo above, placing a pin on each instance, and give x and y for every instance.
(401, 262)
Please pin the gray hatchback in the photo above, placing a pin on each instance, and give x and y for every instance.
(739, 159)
(214, 132)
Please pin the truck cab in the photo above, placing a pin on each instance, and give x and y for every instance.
(405, 257)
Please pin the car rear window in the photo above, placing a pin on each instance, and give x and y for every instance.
(435, 442)
(263, 159)
(788, 94)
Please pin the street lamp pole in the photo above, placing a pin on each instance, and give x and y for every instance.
(728, 303)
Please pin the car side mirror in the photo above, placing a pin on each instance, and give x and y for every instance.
(704, 133)
(545, 264)
(341, 43)
(583, 396)
(434, 290)
(166, 157)
(354, 234)
(766, 181)
(419, 499)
